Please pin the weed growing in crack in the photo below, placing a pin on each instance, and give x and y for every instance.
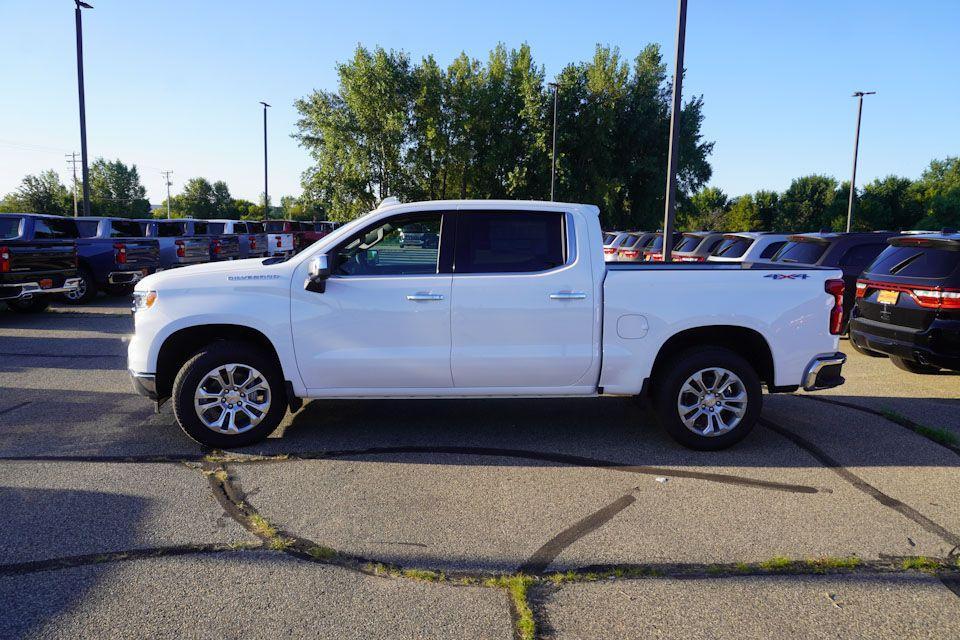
(280, 543)
(517, 587)
(921, 563)
(260, 526)
(938, 435)
(825, 564)
(776, 563)
(318, 552)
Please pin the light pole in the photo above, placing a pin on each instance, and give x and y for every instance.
(553, 161)
(166, 179)
(83, 109)
(856, 147)
(266, 193)
(670, 208)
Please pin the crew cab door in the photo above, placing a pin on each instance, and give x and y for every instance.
(523, 302)
(383, 321)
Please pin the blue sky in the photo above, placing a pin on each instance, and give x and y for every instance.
(175, 84)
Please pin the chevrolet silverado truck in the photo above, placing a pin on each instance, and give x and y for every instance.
(514, 301)
(38, 258)
(112, 255)
(177, 247)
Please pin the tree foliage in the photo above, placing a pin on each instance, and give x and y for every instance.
(43, 193)
(484, 130)
(115, 190)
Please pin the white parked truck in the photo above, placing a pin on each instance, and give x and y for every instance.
(514, 301)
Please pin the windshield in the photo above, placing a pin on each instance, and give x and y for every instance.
(255, 227)
(689, 243)
(918, 262)
(274, 226)
(216, 228)
(170, 229)
(125, 229)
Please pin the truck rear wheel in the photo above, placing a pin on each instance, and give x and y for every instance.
(230, 394)
(708, 399)
(86, 289)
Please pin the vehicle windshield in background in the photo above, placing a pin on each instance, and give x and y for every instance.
(200, 228)
(630, 242)
(170, 229)
(9, 228)
(88, 228)
(732, 247)
(800, 252)
(689, 243)
(609, 237)
(216, 228)
(274, 227)
(918, 262)
(255, 227)
(125, 229)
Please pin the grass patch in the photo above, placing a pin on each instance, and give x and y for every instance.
(776, 563)
(279, 543)
(742, 567)
(921, 563)
(422, 575)
(262, 528)
(938, 435)
(321, 553)
(517, 587)
(825, 564)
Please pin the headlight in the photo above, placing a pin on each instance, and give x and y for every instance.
(143, 300)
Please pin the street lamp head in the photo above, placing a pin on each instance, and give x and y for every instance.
(265, 105)
(83, 5)
(860, 94)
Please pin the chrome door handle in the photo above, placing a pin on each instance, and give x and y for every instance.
(568, 295)
(422, 297)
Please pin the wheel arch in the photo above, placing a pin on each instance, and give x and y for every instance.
(183, 344)
(748, 343)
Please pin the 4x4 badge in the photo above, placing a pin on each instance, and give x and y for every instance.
(787, 276)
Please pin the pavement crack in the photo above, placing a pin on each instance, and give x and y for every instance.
(15, 407)
(547, 553)
(862, 485)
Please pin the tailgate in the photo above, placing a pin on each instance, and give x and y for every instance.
(229, 246)
(38, 256)
(194, 249)
(141, 254)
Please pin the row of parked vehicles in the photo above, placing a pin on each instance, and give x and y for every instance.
(901, 295)
(42, 256)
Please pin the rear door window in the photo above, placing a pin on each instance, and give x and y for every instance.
(509, 242)
(801, 252)
(54, 229)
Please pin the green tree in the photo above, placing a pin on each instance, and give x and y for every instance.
(808, 204)
(707, 209)
(887, 203)
(938, 194)
(43, 193)
(115, 190)
(754, 212)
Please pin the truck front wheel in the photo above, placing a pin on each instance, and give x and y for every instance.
(708, 399)
(230, 394)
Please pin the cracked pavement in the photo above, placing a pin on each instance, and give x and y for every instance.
(384, 519)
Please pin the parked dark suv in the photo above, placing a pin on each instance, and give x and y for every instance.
(849, 252)
(908, 304)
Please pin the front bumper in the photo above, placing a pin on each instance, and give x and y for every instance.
(823, 372)
(144, 383)
(29, 289)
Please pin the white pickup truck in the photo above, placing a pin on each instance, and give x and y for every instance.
(515, 301)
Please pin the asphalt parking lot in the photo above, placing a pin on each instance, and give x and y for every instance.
(839, 517)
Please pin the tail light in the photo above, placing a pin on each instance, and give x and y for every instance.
(121, 253)
(253, 242)
(937, 298)
(181, 249)
(4, 259)
(609, 251)
(655, 257)
(692, 259)
(629, 253)
(835, 288)
(279, 242)
(217, 247)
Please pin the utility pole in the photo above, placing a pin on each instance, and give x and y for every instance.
(856, 147)
(83, 108)
(166, 179)
(72, 161)
(553, 162)
(670, 209)
(266, 193)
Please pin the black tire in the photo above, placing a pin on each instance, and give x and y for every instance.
(118, 290)
(914, 367)
(33, 304)
(195, 370)
(864, 351)
(674, 375)
(87, 290)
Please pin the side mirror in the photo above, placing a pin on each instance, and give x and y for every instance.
(318, 274)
